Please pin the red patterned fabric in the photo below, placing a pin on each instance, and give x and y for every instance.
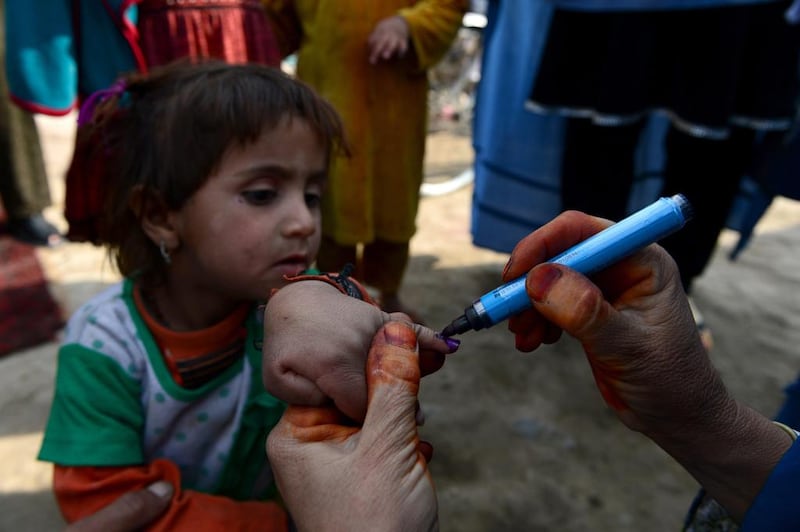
(28, 314)
(236, 31)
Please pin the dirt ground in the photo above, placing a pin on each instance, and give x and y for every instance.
(522, 442)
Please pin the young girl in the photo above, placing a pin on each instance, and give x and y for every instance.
(215, 174)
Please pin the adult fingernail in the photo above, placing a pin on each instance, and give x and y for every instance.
(541, 281)
(508, 265)
(160, 489)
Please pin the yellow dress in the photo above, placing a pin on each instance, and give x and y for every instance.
(374, 194)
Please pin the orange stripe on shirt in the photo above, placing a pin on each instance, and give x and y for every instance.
(186, 353)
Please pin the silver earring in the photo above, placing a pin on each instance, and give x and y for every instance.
(162, 247)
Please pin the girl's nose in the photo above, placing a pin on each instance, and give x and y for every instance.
(301, 220)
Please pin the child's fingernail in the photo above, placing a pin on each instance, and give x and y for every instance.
(452, 343)
(541, 282)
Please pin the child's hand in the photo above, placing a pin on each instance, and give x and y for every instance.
(388, 39)
(316, 341)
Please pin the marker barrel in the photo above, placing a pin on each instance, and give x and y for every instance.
(648, 225)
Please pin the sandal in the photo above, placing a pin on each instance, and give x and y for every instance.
(34, 230)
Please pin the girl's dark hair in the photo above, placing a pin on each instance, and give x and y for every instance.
(166, 133)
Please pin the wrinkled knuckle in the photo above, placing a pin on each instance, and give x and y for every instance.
(586, 310)
(397, 316)
(571, 215)
(275, 445)
(666, 269)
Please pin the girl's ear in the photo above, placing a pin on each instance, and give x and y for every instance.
(155, 217)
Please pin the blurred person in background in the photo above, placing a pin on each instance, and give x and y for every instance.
(24, 190)
(370, 59)
(728, 73)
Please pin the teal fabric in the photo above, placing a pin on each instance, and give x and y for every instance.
(64, 50)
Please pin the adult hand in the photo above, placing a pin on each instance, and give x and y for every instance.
(316, 342)
(334, 476)
(389, 39)
(648, 361)
(132, 511)
(634, 323)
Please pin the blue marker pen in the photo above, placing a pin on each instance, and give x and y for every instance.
(642, 228)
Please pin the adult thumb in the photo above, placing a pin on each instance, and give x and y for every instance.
(568, 299)
(393, 376)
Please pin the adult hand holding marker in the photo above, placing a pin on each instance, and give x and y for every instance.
(642, 228)
(640, 339)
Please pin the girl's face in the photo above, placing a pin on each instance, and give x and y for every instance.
(256, 219)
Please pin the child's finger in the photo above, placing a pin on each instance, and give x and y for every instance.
(293, 387)
(432, 346)
(429, 339)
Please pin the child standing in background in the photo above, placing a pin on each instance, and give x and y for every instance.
(369, 58)
(215, 175)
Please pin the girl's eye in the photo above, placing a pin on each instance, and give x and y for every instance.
(261, 196)
(313, 199)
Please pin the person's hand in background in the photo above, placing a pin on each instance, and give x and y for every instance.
(389, 39)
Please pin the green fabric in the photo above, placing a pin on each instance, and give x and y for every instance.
(246, 475)
(96, 417)
(243, 476)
